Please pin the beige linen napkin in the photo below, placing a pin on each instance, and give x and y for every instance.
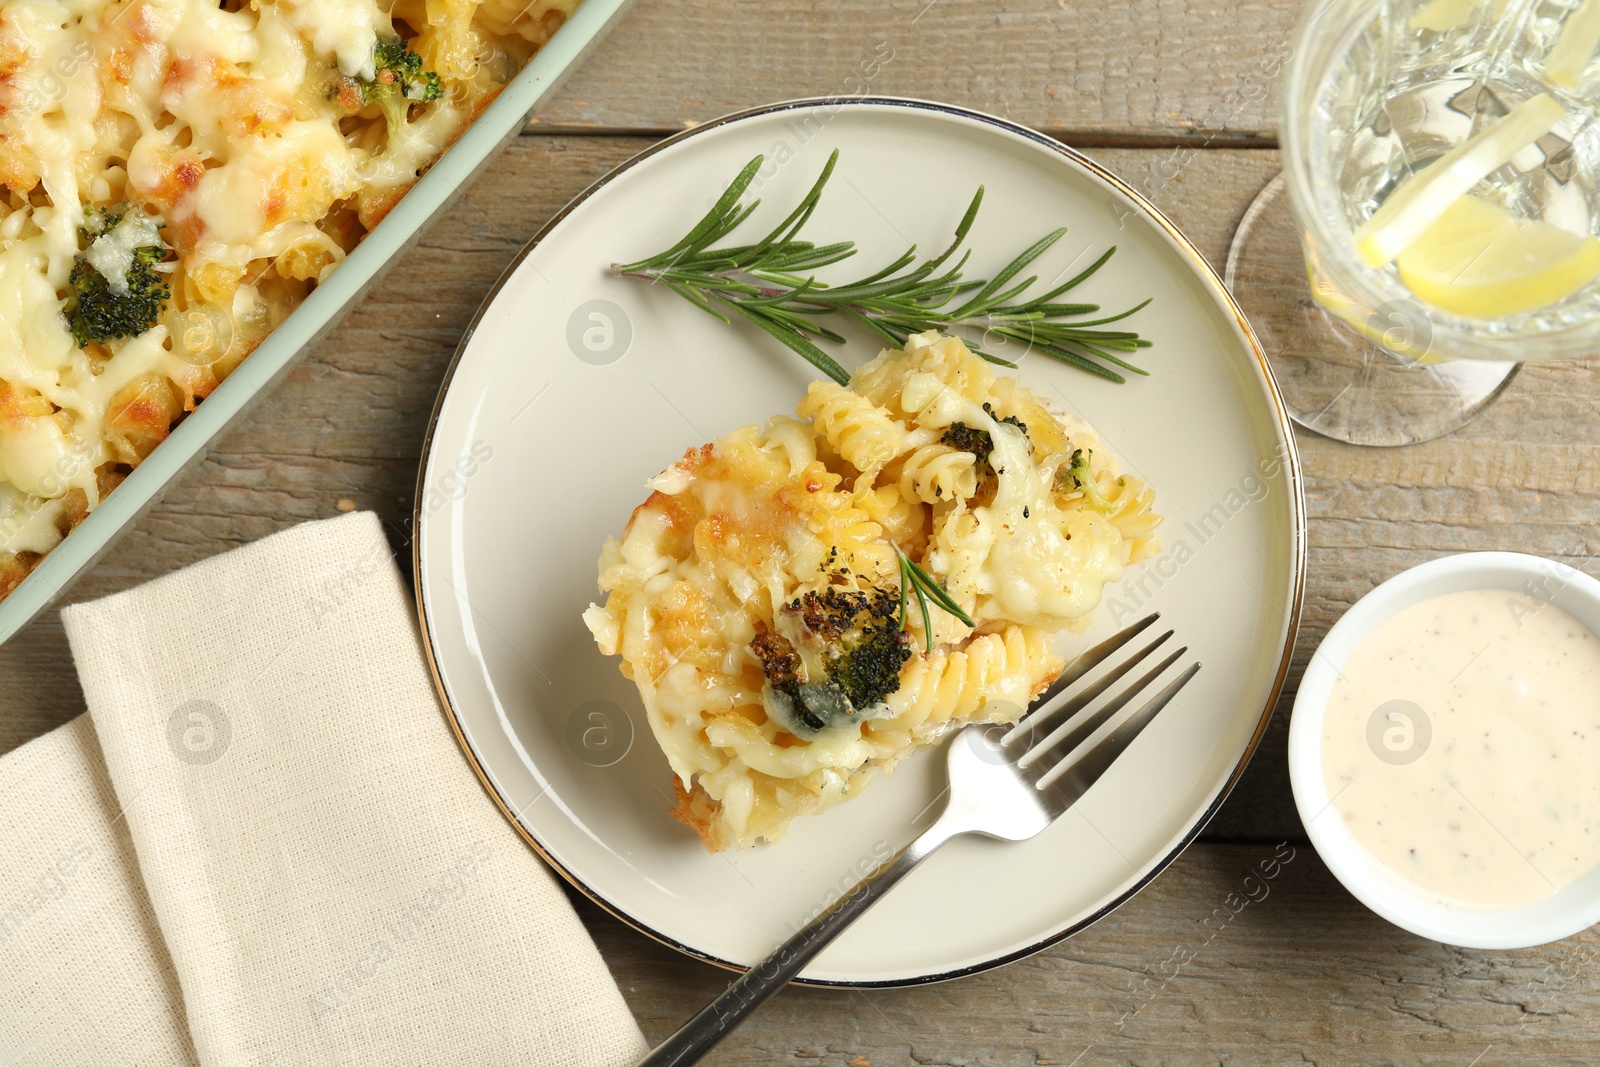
(84, 977)
(330, 882)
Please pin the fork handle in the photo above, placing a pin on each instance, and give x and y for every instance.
(752, 989)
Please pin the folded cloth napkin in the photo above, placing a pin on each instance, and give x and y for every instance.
(267, 849)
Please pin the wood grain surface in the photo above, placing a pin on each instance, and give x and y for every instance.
(1097, 71)
(1175, 96)
(1214, 964)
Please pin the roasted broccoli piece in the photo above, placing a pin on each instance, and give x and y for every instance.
(1074, 476)
(855, 648)
(399, 81)
(964, 438)
(871, 646)
(116, 289)
(1012, 419)
(779, 661)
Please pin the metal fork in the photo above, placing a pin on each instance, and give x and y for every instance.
(1007, 782)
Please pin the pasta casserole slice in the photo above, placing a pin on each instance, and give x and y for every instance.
(756, 597)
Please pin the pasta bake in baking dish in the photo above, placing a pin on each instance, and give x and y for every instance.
(803, 604)
(177, 176)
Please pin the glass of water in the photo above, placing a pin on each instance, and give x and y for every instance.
(1435, 222)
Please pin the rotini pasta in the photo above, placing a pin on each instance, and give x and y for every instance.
(755, 597)
(1131, 512)
(859, 431)
(937, 472)
(996, 672)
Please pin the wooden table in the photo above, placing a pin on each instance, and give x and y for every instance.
(1177, 96)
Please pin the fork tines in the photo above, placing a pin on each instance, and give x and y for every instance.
(1053, 732)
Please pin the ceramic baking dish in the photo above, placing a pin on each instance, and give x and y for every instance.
(318, 314)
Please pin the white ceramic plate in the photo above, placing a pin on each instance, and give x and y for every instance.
(573, 387)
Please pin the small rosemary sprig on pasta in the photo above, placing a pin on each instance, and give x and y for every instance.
(772, 283)
(919, 583)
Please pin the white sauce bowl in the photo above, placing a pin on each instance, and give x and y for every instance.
(1564, 913)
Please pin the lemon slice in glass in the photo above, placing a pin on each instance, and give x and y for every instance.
(1428, 194)
(1482, 261)
(1574, 50)
(1442, 16)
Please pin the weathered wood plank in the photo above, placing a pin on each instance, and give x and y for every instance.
(1188, 972)
(1167, 68)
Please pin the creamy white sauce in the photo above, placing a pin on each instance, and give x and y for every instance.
(1483, 789)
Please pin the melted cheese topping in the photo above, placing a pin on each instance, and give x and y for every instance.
(348, 30)
(112, 252)
(231, 136)
(738, 533)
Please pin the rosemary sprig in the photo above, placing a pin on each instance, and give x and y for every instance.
(920, 583)
(773, 284)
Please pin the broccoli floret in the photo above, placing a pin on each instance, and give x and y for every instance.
(1074, 476)
(399, 81)
(99, 309)
(860, 646)
(1012, 419)
(964, 438)
(866, 659)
